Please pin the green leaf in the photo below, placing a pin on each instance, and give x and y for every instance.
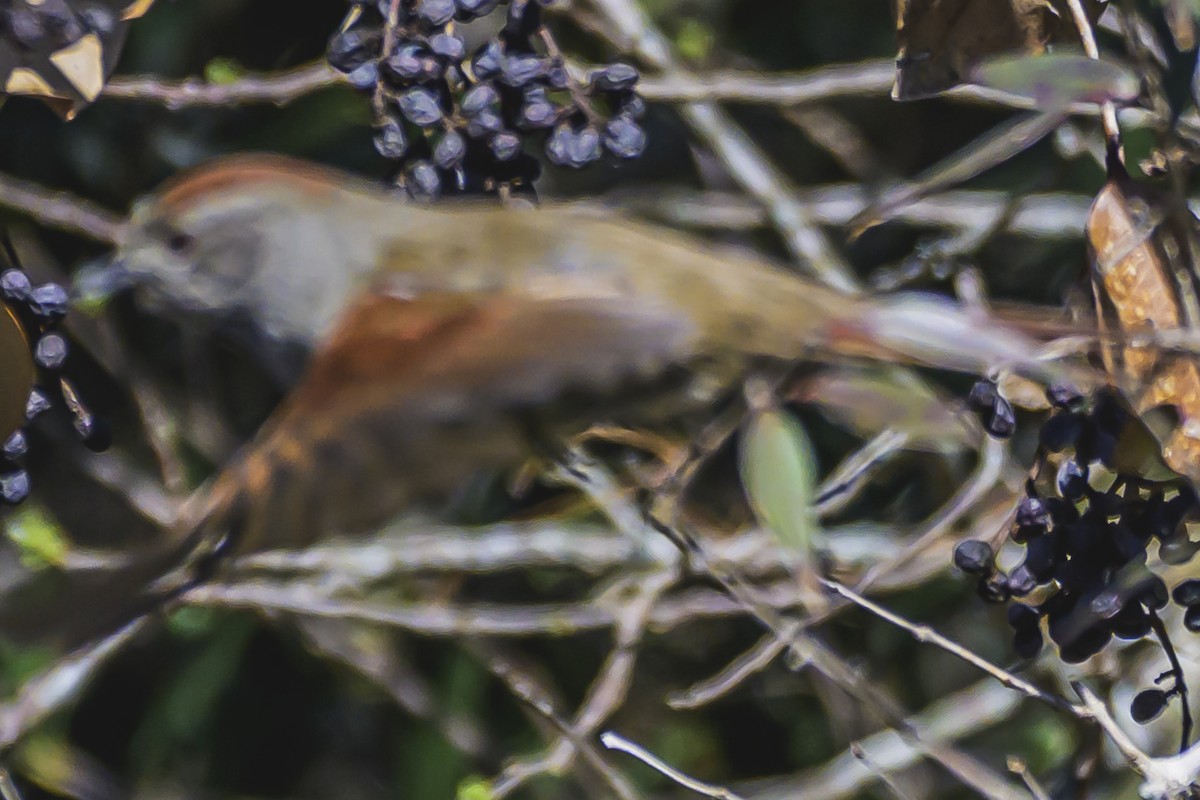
(223, 71)
(779, 476)
(474, 788)
(38, 537)
(1057, 80)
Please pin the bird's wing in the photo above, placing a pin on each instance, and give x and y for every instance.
(409, 397)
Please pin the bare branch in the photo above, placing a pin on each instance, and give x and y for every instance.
(59, 210)
(614, 741)
(278, 88)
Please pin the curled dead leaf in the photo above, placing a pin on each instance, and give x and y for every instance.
(1135, 245)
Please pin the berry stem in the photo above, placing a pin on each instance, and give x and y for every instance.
(1180, 687)
(389, 41)
(582, 101)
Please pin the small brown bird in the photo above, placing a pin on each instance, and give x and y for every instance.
(440, 336)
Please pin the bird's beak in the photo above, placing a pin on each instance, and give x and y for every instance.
(98, 282)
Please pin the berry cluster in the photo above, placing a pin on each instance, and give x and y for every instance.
(457, 121)
(1086, 538)
(40, 309)
(53, 23)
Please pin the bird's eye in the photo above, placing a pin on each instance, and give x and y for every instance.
(180, 242)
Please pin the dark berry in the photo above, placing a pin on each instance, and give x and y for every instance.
(1187, 593)
(49, 301)
(423, 180)
(524, 17)
(420, 107)
(14, 486)
(1107, 604)
(1065, 397)
(50, 351)
(1020, 615)
(1085, 645)
(407, 62)
(520, 70)
(1032, 512)
(26, 26)
(36, 404)
(557, 75)
(15, 445)
(974, 557)
(450, 150)
(982, 397)
(993, 588)
(1072, 479)
(1027, 642)
(15, 285)
(95, 433)
(1041, 557)
(1021, 581)
(505, 145)
(449, 46)
(633, 107)
(478, 98)
(353, 48)
(98, 19)
(1148, 704)
(390, 140)
(615, 77)
(624, 138)
(436, 12)
(469, 9)
(570, 148)
(1060, 431)
(1154, 594)
(364, 77)
(484, 124)
(1002, 421)
(537, 111)
(487, 60)
(1132, 623)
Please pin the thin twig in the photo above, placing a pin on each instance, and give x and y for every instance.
(615, 741)
(926, 635)
(1019, 768)
(1108, 111)
(1177, 675)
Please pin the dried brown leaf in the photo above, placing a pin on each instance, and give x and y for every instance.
(1134, 248)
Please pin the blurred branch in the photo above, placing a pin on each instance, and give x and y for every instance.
(805, 648)
(1051, 216)
(610, 688)
(634, 32)
(965, 713)
(516, 774)
(443, 620)
(59, 685)
(59, 210)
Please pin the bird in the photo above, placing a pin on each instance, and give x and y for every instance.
(442, 339)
